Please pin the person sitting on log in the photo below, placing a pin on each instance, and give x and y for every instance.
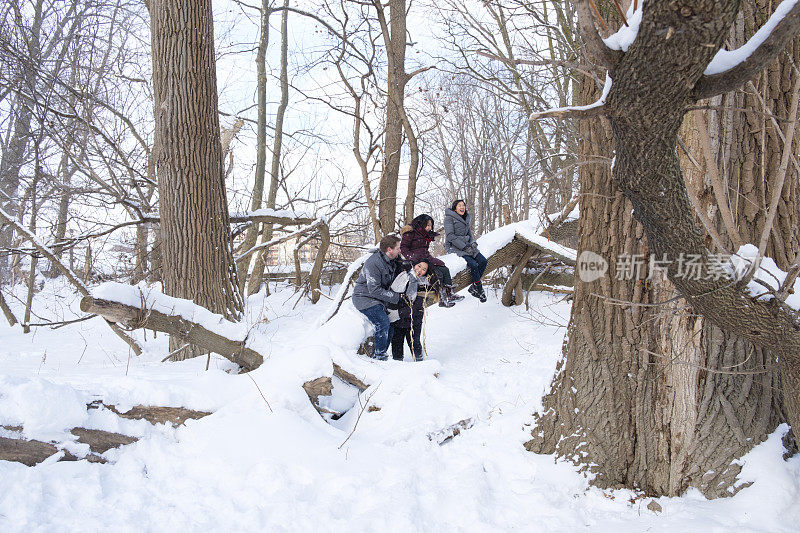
(417, 237)
(459, 240)
(372, 292)
(407, 319)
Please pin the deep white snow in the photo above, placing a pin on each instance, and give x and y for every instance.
(280, 467)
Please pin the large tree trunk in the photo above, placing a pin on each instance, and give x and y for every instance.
(395, 41)
(657, 397)
(604, 390)
(197, 262)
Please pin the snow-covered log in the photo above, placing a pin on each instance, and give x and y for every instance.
(192, 332)
(32, 452)
(507, 246)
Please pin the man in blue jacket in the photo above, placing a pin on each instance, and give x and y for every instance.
(372, 293)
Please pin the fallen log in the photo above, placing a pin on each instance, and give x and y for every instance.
(177, 326)
(154, 414)
(32, 452)
(27, 452)
(100, 441)
(347, 377)
(510, 255)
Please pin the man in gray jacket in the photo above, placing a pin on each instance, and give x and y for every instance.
(372, 292)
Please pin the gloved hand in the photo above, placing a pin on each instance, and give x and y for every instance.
(411, 291)
(406, 265)
(393, 306)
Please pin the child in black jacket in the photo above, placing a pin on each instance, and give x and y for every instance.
(407, 319)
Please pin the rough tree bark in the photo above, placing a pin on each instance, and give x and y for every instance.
(395, 41)
(656, 397)
(197, 261)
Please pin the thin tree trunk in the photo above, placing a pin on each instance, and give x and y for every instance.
(251, 236)
(34, 258)
(15, 152)
(266, 233)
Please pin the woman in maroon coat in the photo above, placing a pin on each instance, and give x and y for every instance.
(417, 237)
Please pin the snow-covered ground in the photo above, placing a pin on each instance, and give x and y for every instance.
(272, 463)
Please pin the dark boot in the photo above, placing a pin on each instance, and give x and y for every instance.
(454, 296)
(481, 292)
(444, 299)
(476, 289)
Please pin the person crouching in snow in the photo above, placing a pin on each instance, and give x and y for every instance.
(459, 240)
(372, 292)
(407, 319)
(417, 237)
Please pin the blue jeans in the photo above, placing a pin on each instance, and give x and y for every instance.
(383, 329)
(477, 265)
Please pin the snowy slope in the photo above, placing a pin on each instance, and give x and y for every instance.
(279, 467)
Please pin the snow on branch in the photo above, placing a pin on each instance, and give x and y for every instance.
(624, 37)
(732, 68)
(302, 231)
(580, 111)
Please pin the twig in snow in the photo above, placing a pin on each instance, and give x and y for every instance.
(261, 393)
(363, 407)
(170, 354)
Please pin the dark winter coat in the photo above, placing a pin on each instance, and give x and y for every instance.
(458, 234)
(410, 311)
(372, 286)
(416, 240)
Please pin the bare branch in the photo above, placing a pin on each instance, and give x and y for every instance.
(591, 38)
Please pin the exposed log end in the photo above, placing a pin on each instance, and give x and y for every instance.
(318, 387)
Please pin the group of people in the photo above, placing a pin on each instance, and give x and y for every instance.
(390, 291)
